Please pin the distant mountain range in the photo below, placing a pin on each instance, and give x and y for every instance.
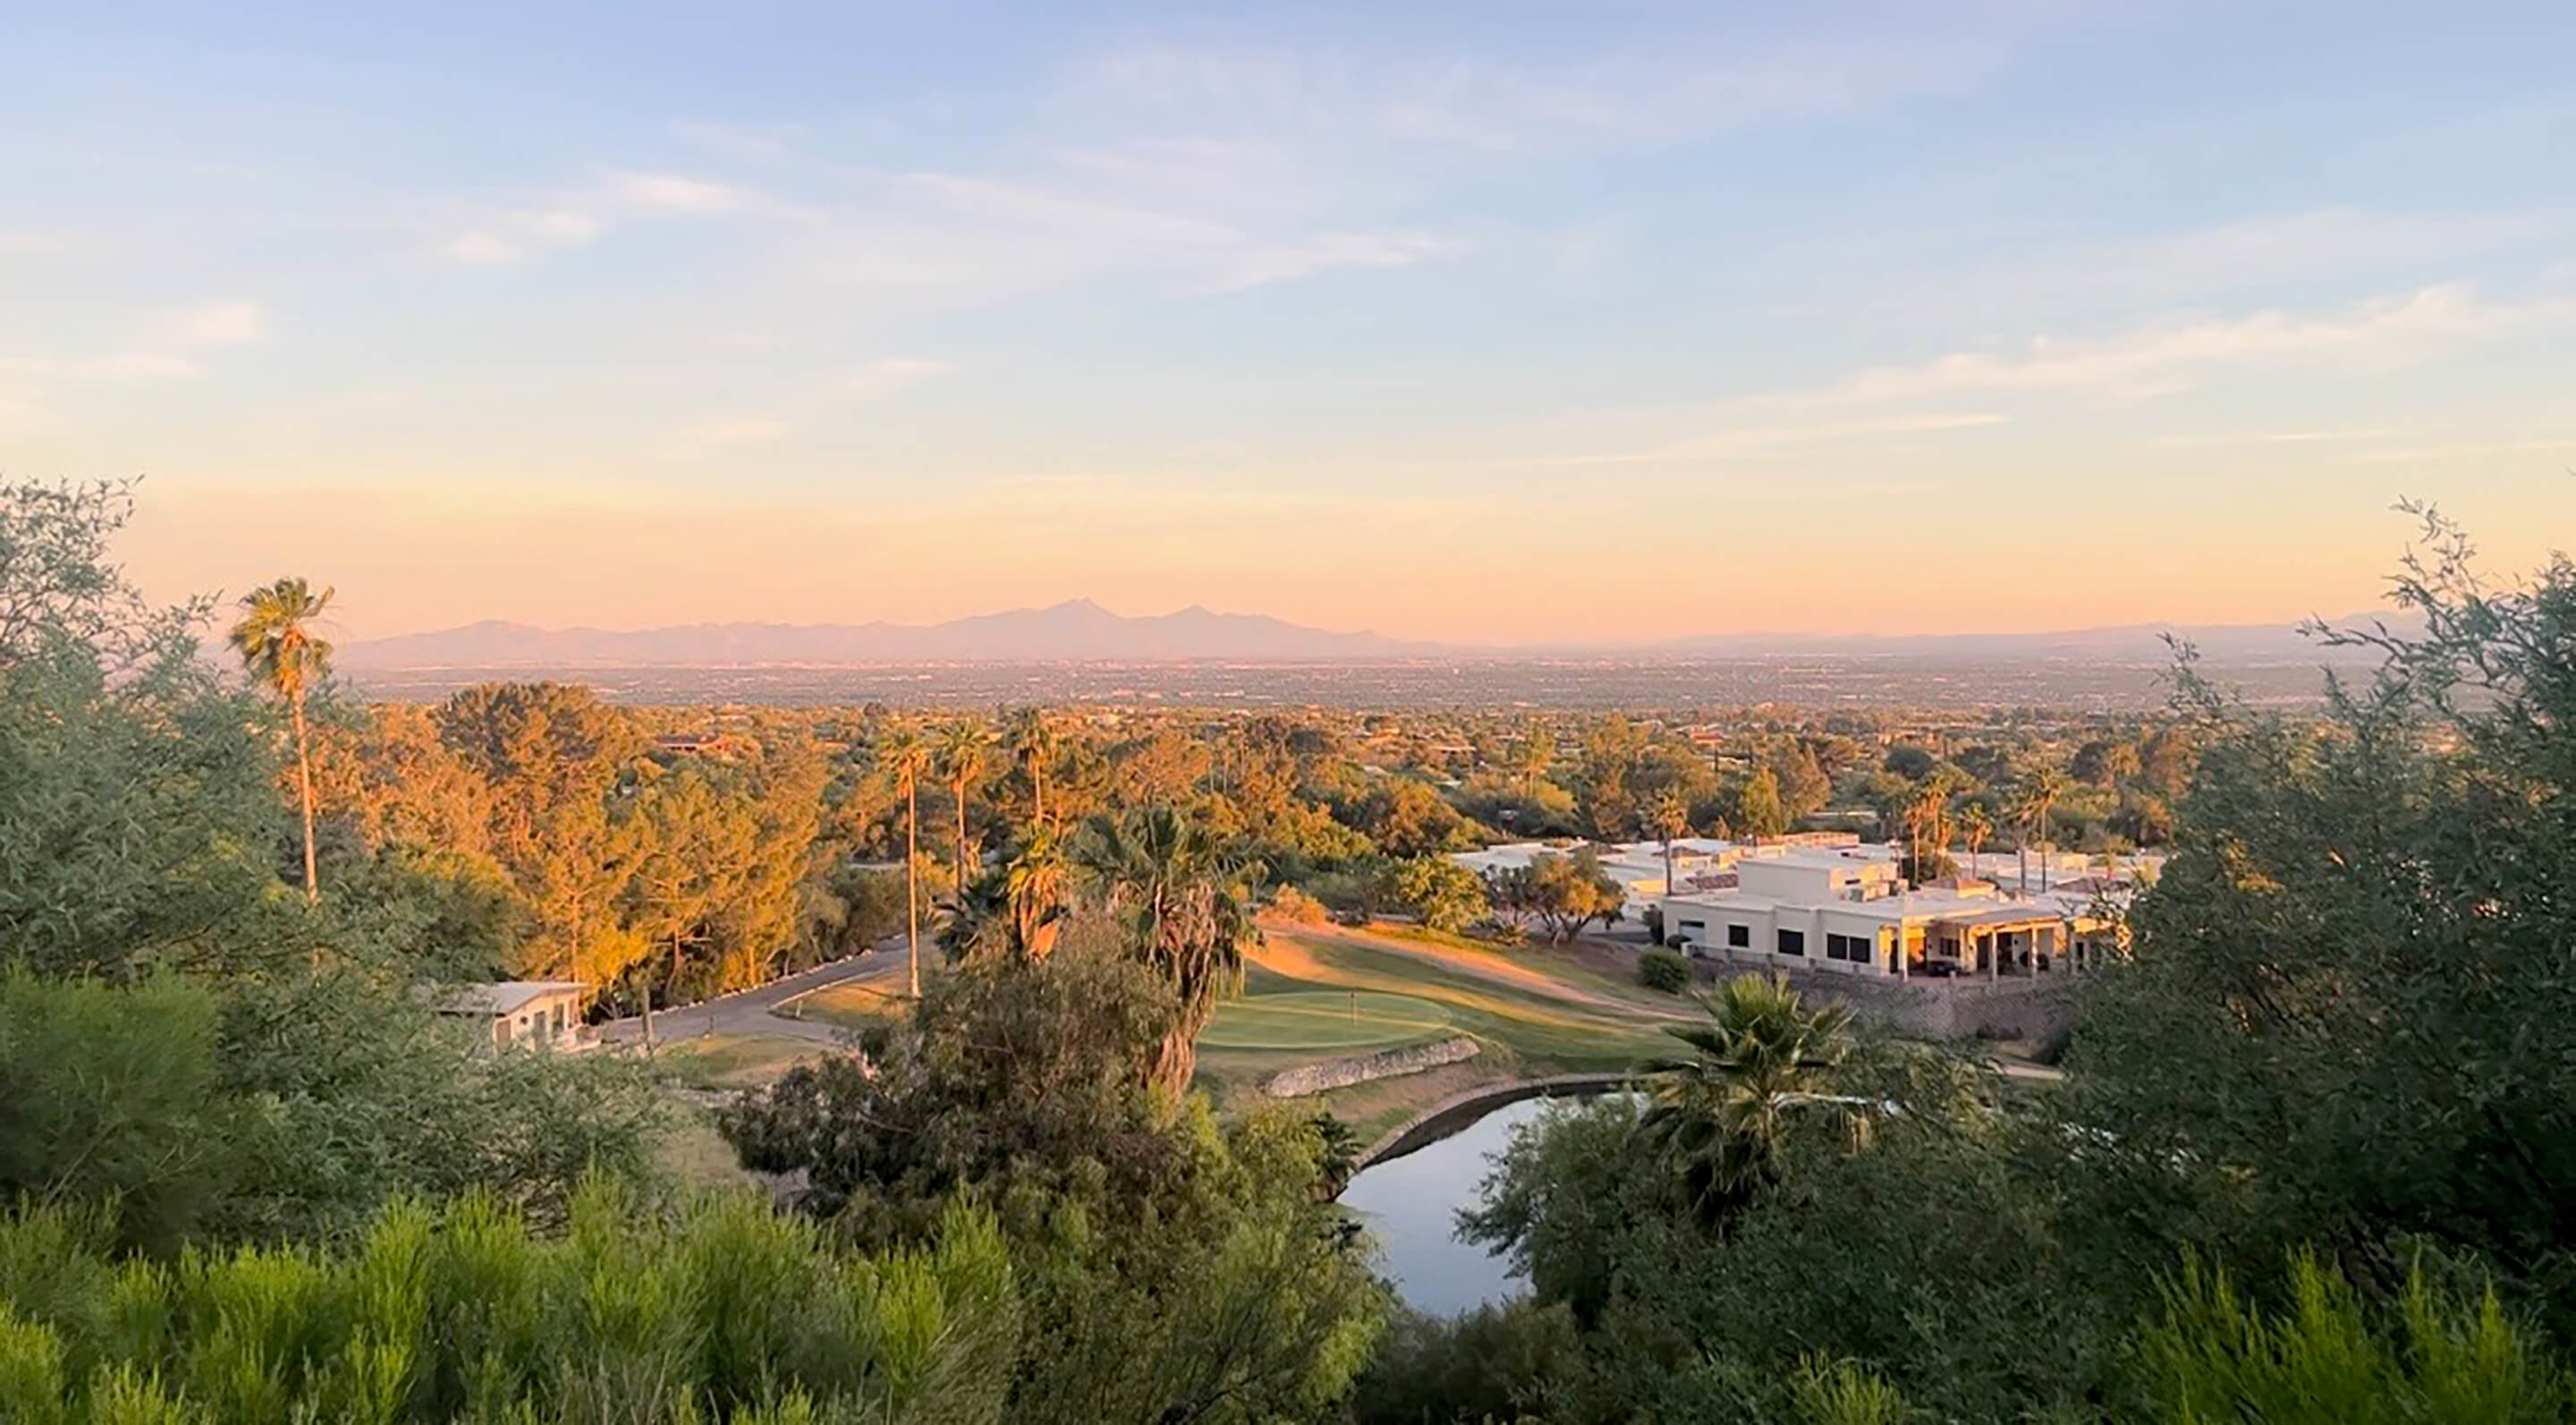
(1075, 631)
(1084, 632)
(2129, 643)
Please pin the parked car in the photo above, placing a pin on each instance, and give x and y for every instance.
(1941, 969)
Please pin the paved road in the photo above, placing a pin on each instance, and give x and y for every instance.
(750, 1011)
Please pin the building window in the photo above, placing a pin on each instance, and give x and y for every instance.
(1793, 942)
(1739, 937)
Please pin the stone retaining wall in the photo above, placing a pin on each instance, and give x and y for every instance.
(1385, 1064)
(1963, 1008)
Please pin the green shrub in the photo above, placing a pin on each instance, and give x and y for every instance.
(2322, 1357)
(730, 1313)
(1664, 970)
(31, 1371)
(109, 1095)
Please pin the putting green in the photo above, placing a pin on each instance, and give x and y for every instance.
(1324, 1019)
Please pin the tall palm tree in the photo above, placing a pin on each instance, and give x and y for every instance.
(1927, 818)
(904, 754)
(2040, 793)
(1033, 745)
(961, 761)
(1189, 915)
(279, 647)
(1669, 819)
(1716, 1118)
(1976, 826)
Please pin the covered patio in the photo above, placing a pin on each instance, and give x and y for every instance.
(2012, 939)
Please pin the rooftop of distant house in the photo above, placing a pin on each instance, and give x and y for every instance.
(503, 997)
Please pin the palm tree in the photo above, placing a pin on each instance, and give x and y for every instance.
(1977, 825)
(278, 646)
(1188, 913)
(1716, 1118)
(905, 754)
(2039, 798)
(1033, 889)
(1668, 818)
(1927, 817)
(1033, 745)
(961, 761)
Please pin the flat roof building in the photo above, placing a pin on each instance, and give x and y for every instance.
(1851, 911)
(538, 1012)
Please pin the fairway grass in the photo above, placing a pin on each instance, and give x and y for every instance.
(1324, 1020)
(1532, 1015)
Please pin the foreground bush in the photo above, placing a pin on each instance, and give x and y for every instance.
(2324, 1356)
(731, 1313)
(293, 1107)
(1169, 1268)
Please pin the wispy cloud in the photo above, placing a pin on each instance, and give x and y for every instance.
(214, 324)
(889, 374)
(673, 193)
(163, 348)
(111, 368)
(2277, 437)
(2168, 358)
(481, 249)
(2157, 359)
(582, 214)
(1261, 265)
(1693, 85)
(2554, 446)
(708, 437)
(1752, 439)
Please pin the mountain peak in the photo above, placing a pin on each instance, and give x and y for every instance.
(1074, 631)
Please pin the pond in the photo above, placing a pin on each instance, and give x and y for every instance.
(1411, 1204)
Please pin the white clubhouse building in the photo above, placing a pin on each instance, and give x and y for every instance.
(1848, 910)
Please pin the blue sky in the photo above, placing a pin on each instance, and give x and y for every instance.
(1500, 321)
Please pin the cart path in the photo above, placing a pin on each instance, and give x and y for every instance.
(755, 1011)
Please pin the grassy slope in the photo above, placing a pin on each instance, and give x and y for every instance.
(1534, 1011)
(1325, 1021)
(732, 1061)
(854, 1005)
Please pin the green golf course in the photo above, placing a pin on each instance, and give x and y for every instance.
(1323, 1020)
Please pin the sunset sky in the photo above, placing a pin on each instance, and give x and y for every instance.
(1479, 321)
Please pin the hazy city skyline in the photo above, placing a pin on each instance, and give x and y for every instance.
(1502, 323)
